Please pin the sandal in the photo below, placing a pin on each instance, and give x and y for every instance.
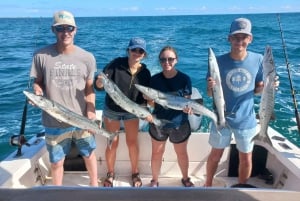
(154, 183)
(136, 180)
(187, 182)
(108, 182)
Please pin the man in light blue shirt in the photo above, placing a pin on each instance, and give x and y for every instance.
(242, 77)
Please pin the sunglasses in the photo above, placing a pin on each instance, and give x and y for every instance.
(239, 37)
(169, 60)
(137, 50)
(61, 28)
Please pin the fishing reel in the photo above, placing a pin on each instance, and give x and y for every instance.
(18, 140)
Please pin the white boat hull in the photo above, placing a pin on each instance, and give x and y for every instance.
(31, 172)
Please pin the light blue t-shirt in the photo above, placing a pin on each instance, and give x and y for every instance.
(238, 81)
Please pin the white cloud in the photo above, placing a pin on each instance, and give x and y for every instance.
(172, 8)
(203, 8)
(160, 9)
(133, 8)
(286, 7)
(234, 8)
(32, 10)
(166, 9)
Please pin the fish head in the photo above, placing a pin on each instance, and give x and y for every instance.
(39, 101)
(149, 92)
(141, 88)
(104, 78)
(109, 86)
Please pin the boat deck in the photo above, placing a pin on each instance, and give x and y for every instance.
(81, 179)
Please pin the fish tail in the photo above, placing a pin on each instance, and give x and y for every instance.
(98, 122)
(109, 141)
(267, 140)
(111, 138)
(256, 137)
(219, 127)
(158, 131)
(264, 138)
(221, 124)
(161, 122)
(214, 118)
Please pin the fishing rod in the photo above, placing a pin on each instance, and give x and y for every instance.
(20, 140)
(289, 74)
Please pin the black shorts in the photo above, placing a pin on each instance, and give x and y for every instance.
(176, 135)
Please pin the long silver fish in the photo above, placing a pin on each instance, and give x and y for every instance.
(217, 91)
(176, 102)
(266, 107)
(65, 115)
(124, 102)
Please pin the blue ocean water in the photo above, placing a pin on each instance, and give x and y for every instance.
(107, 38)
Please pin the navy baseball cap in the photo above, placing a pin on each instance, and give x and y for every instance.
(137, 43)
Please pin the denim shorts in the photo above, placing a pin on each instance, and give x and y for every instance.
(59, 142)
(117, 116)
(176, 135)
(243, 137)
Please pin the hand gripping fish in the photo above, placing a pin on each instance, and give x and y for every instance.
(65, 115)
(217, 90)
(266, 107)
(176, 102)
(124, 102)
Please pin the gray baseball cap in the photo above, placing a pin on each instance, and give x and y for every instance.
(240, 25)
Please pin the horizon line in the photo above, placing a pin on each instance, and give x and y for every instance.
(81, 16)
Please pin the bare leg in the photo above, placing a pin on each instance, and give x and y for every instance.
(57, 171)
(212, 165)
(131, 131)
(91, 166)
(110, 152)
(182, 157)
(245, 167)
(158, 149)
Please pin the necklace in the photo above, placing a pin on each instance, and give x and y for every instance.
(134, 69)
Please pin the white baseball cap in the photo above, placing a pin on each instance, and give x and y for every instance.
(63, 17)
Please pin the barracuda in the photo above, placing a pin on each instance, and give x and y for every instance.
(124, 102)
(266, 107)
(176, 102)
(217, 91)
(65, 115)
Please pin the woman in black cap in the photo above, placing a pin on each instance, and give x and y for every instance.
(125, 72)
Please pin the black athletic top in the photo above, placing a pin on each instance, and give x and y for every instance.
(179, 85)
(118, 71)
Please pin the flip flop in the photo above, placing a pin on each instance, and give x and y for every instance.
(187, 182)
(136, 180)
(108, 182)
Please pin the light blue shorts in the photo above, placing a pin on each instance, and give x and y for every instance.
(221, 139)
(117, 116)
(59, 142)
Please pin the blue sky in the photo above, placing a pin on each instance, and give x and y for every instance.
(46, 8)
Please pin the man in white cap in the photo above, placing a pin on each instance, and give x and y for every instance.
(242, 78)
(64, 72)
